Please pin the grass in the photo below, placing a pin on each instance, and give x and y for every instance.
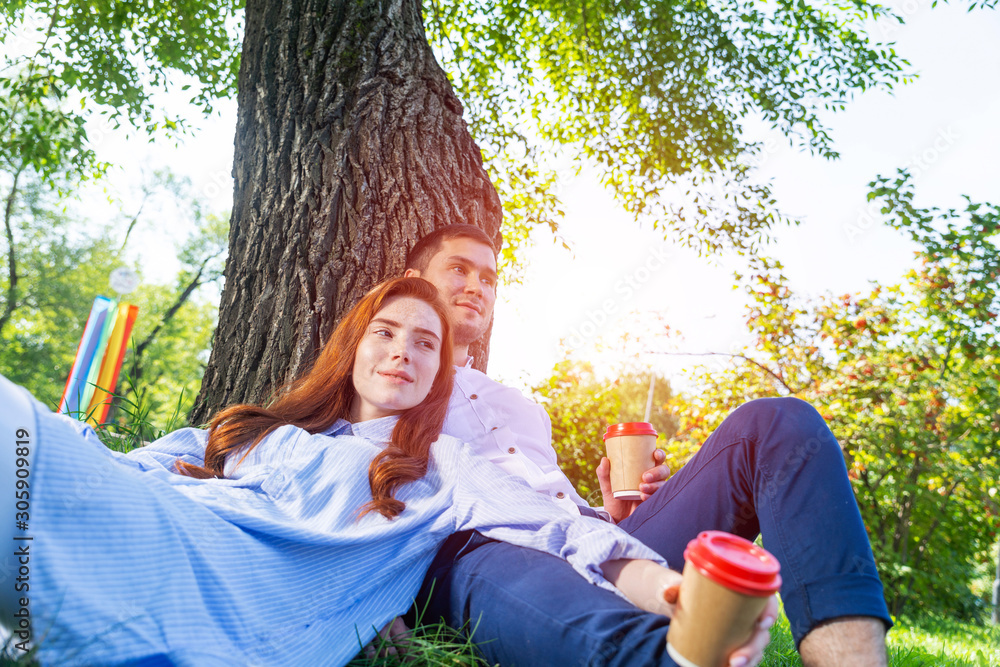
(437, 645)
(945, 642)
(924, 642)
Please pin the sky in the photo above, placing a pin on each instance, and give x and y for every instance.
(944, 127)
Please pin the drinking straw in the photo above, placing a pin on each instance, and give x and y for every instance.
(85, 353)
(111, 365)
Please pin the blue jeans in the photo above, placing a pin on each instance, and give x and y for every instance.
(772, 468)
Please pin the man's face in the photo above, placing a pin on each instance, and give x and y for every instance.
(465, 274)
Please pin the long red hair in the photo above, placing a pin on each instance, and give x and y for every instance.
(323, 395)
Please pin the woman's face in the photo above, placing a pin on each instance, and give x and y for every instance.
(397, 359)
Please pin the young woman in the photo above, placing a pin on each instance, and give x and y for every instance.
(285, 534)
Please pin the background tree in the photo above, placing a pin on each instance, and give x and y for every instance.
(381, 153)
(63, 64)
(351, 142)
(47, 306)
(907, 378)
(61, 269)
(581, 404)
(173, 335)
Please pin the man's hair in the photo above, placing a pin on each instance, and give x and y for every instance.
(420, 255)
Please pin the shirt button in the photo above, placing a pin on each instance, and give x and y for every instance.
(560, 495)
(511, 450)
(474, 396)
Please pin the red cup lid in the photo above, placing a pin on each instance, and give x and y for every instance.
(733, 562)
(629, 428)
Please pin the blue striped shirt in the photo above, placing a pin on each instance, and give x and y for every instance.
(271, 565)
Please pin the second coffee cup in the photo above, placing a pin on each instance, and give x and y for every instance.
(727, 581)
(630, 448)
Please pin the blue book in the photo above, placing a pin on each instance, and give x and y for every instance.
(85, 353)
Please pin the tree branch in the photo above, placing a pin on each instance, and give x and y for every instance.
(53, 19)
(952, 339)
(904, 501)
(135, 219)
(902, 600)
(925, 540)
(181, 300)
(734, 356)
(878, 483)
(11, 301)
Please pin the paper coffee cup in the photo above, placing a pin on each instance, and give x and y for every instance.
(727, 581)
(630, 448)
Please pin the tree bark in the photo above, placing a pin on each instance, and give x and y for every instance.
(10, 302)
(350, 145)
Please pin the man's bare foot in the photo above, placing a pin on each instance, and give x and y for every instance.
(858, 641)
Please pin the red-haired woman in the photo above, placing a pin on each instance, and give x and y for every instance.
(285, 534)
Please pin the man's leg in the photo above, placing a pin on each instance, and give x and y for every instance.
(773, 467)
(850, 640)
(525, 607)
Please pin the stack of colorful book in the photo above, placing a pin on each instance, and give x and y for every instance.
(91, 383)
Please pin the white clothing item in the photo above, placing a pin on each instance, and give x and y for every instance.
(499, 423)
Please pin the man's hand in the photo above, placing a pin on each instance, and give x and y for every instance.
(652, 480)
(752, 652)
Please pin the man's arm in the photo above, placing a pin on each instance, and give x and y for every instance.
(502, 507)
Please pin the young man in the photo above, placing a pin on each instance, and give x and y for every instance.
(773, 467)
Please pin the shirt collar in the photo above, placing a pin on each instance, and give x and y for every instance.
(340, 427)
(376, 430)
(468, 362)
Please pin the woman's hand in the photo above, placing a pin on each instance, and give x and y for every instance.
(391, 640)
(652, 480)
(752, 652)
(654, 588)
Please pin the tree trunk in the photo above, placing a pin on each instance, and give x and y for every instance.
(10, 302)
(350, 145)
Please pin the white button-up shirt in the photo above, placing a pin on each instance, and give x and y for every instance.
(499, 423)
